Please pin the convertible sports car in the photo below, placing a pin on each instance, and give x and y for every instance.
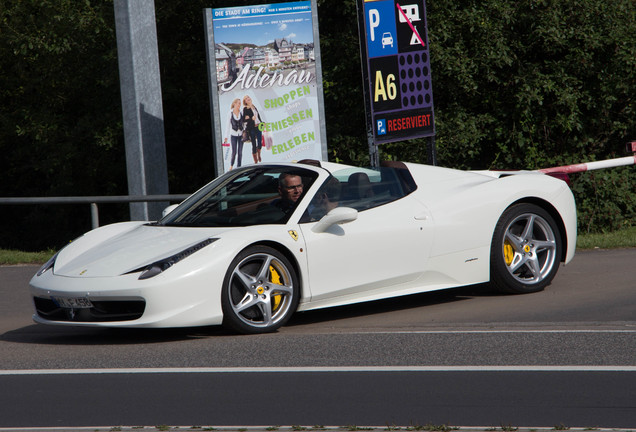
(263, 241)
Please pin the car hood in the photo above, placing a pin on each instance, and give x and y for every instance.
(123, 248)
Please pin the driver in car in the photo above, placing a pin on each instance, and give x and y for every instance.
(290, 188)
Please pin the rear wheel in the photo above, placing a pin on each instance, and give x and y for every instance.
(525, 251)
(260, 291)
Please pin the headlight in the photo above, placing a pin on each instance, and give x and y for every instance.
(51, 262)
(160, 266)
(47, 265)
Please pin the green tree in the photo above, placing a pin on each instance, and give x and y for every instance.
(60, 113)
(532, 84)
(517, 85)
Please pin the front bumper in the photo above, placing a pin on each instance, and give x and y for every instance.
(125, 301)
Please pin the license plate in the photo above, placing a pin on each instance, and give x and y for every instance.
(73, 302)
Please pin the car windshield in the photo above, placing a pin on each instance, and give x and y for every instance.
(245, 196)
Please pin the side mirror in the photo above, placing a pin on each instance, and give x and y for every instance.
(339, 215)
(168, 209)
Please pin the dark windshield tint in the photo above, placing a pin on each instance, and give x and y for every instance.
(242, 197)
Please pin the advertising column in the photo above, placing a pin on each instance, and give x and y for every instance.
(267, 86)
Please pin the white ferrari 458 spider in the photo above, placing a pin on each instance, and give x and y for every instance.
(263, 241)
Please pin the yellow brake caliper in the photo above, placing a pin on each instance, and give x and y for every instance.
(275, 279)
(509, 252)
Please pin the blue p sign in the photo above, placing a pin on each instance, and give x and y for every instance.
(380, 28)
(381, 127)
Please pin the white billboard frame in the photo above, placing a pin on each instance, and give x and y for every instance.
(288, 97)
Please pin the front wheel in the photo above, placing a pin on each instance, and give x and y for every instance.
(525, 251)
(260, 291)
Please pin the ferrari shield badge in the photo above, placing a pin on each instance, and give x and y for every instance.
(293, 234)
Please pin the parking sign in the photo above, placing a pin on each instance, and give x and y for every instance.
(398, 93)
(381, 32)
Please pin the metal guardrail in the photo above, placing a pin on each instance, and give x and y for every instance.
(93, 201)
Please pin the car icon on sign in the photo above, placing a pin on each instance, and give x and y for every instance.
(387, 39)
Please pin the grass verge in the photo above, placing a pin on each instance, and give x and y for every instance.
(13, 257)
(625, 238)
(619, 239)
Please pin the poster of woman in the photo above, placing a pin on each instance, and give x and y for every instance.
(265, 56)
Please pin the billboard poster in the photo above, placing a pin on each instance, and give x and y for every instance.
(266, 91)
(399, 93)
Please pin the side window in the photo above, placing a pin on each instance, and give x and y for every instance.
(361, 189)
(366, 188)
(326, 198)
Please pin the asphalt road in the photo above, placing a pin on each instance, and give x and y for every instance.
(462, 357)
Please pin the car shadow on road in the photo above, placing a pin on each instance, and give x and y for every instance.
(394, 304)
(39, 334)
(79, 336)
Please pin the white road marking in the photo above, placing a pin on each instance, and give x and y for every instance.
(499, 331)
(319, 369)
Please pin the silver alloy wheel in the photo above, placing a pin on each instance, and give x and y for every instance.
(529, 247)
(261, 290)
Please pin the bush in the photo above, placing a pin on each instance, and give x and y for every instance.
(605, 199)
(525, 85)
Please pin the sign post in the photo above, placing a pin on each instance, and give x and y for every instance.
(141, 105)
(396, 72)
